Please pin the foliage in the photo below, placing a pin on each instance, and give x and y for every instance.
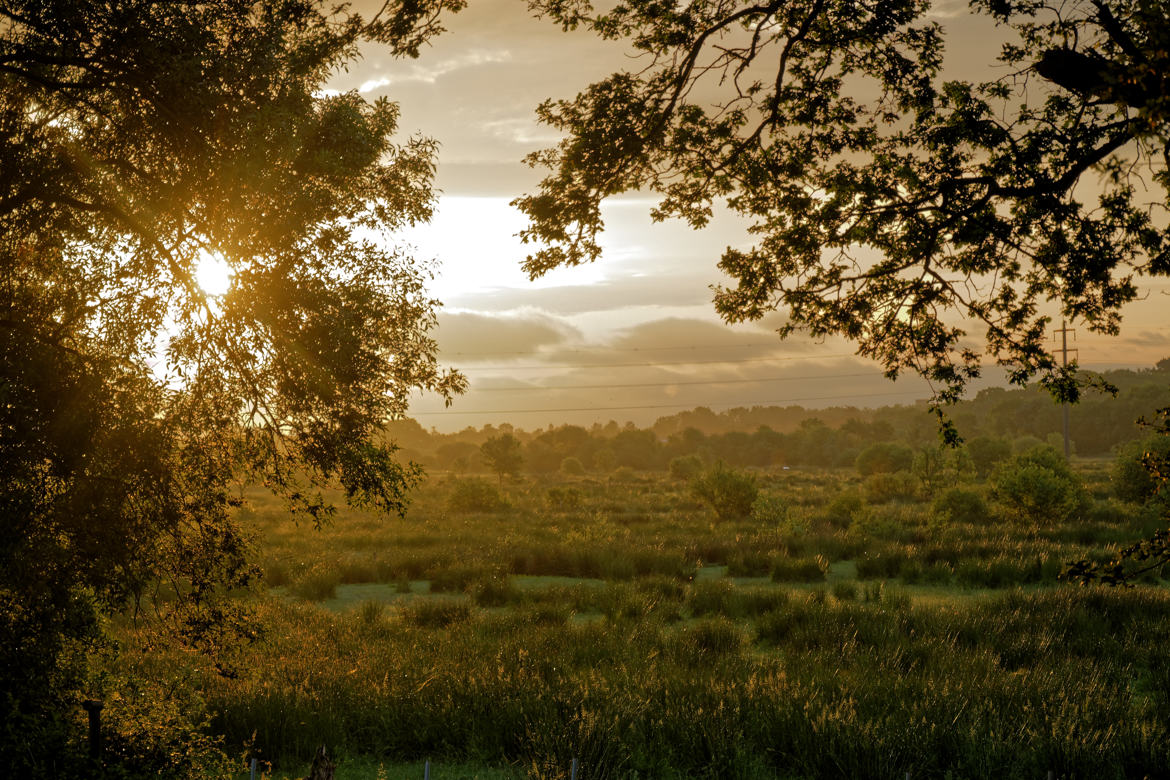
(572, 467)
(503, 455)
(769, 508)
(474, 495)
(563, 499)
(959, 505)
(728, 492)
(1038, 487)
(138, 139)
(986, 452)
(1132, 479)
(898, 486)
(884, 458)
(685, 466)
(890, 203)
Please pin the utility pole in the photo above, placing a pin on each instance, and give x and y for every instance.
(1064, 350)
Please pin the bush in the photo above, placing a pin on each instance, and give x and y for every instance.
(475, 495)
(1038, 487)
(728, 492)
(572, 467)
(845, 508)
(770, 509)
(986, 452)
(1132, 481)
(685, 466)
(883, 458)
(563, 499)
(712, 638)
(886, 486)
(317, 584)
(957, 505)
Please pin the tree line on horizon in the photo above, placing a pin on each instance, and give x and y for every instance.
(794, 436)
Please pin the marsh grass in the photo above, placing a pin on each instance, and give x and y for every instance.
(640, 634)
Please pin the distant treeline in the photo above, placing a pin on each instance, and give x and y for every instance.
(795, 436)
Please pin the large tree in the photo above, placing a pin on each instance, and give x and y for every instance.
(139, 139)
(930, 220)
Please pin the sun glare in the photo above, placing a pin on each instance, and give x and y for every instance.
(213, 274)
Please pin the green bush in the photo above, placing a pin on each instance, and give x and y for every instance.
(712, 638)
(957, 505)
(1038, 487)
(563, 499)
(475, 495)
(317, 584)
(884, 457)
(845, 507)
(986, 452)
(685, 466)
(728, 492)
(769, 509)
(890, 486)
(572, 467)
(1131, 479)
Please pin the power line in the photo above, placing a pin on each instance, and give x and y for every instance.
(521, 388)
(659, 406)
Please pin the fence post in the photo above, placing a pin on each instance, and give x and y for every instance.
(253, 772)
(94, 709)
(573, 770)
(427, 770)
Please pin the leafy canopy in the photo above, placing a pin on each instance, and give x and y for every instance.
(929, 220)
(136, 139)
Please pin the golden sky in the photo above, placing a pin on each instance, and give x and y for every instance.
(634, 336)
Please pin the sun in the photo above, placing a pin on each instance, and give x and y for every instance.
(213, 274)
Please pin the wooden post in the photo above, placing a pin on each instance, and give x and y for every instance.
(94, 708)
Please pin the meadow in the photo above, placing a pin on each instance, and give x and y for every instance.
(502, 629)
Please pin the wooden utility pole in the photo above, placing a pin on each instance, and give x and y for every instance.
(1064, 350)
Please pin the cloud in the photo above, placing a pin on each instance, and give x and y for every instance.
(469, 337)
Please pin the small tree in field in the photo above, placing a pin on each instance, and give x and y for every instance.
(1038, 487)
(502, 455)
(729, 492)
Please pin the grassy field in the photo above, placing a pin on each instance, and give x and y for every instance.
(614, 620)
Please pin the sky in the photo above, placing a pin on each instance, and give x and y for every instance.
(634, 336)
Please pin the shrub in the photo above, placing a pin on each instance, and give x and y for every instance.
(886, 486)
(475, 495)
(712, 638)
(845, 508)
(563, 499)
(728, 492)
(1038, 487)
(495, 591)
(685, 466)
(884, 457)
(957, 505)
(1131, 479)
(317, 584)
(986, 452)
(572, 467)
(769, 509)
